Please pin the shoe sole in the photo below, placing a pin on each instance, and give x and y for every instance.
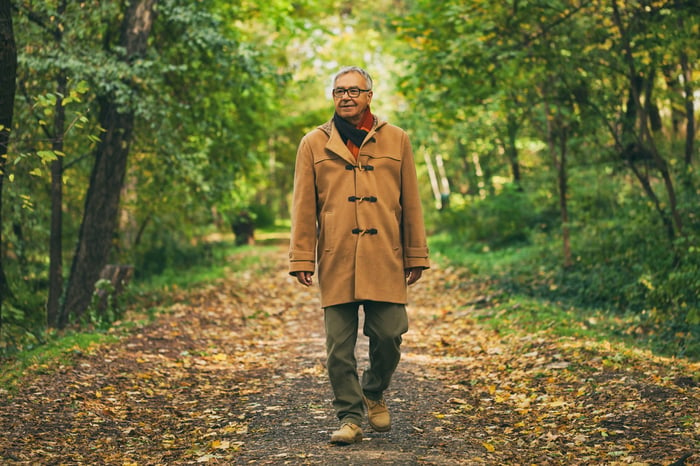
(346, 442)
(380, 429)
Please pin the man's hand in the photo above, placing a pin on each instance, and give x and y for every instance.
(304, 278)
(413, 275)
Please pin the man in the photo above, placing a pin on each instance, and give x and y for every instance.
(356, 213)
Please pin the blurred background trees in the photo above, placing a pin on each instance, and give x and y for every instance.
(578, 119)
(560, 133)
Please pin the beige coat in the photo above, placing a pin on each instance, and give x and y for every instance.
(361, 221)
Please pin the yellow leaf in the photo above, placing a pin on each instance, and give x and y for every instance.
(557, 403)
(224, 445)
(489, 447)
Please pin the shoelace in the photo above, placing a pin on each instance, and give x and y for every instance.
(374, 404)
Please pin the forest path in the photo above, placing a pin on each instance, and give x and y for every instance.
(234, 374)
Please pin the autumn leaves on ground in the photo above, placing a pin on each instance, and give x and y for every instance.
(233, 373)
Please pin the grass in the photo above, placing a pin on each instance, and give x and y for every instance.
(518, 310)
(57, 352)
(519, 314)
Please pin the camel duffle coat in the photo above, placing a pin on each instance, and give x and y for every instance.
(360, 220)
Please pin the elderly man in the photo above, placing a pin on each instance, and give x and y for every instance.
(356, 214)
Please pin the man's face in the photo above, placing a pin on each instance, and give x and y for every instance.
(352, 108)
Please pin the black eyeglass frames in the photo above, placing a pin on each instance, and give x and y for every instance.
(352, 92)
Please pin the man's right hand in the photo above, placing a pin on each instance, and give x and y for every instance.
(304, 278)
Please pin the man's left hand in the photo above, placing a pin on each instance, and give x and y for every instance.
(413, 275)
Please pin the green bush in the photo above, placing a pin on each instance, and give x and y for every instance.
(623, 260)
(497, 221)
(169, 251)
(674, 293)
(264, 215)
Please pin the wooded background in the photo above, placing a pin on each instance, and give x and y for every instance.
(561, 134)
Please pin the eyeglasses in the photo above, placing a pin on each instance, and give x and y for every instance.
(352, 92)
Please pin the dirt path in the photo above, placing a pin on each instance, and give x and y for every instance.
(234, 374)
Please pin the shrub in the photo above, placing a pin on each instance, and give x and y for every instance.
(497, 221)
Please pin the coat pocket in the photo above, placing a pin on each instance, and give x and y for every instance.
(327, 236)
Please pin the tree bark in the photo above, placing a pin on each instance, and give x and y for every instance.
(8, 82)
(56, 235)
(689, 98)
(512, 150)
(557, 132)
(563, 178)
(100, 217)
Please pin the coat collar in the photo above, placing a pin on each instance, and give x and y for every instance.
(335, 143)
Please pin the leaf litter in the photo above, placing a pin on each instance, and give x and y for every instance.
(234, 373)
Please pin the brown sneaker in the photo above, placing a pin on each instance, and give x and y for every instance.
(378, 415)
(347, 434)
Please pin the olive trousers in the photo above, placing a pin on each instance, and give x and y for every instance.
(384, 325)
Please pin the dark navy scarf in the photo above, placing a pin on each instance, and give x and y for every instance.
(348, 131)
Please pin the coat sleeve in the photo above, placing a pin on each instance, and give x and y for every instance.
(415, 246)
(302, 247)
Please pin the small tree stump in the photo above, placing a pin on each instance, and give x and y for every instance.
(243, 227)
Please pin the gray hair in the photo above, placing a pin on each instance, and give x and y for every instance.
(354, 69)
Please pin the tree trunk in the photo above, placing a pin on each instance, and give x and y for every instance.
(468, 169)
(512, 150)
(645, 135)
(56, 236)
(563, 178)
(689, 97)
(556, 131)
(100, 217)
(433, 177)
(8, 82)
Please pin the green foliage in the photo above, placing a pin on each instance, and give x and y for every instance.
(204, 95)
(264, 216)
(565, 92)
(495, 221)
(105, 308)
(674, 293)
(168, 251)
(624, 266)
